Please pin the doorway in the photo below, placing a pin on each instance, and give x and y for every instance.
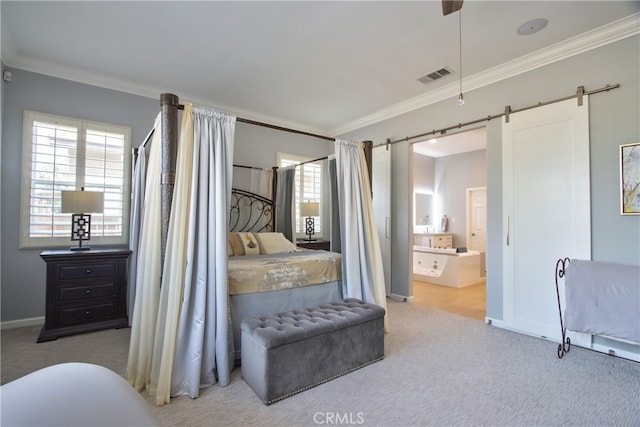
(453, 170)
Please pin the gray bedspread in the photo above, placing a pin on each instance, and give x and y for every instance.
(603, 299)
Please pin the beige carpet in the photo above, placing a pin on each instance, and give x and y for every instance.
(439, 369)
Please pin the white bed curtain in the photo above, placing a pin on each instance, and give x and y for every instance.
(362, 271)
(135, 221)
(261, 182)
(148, 272)
(191, 343)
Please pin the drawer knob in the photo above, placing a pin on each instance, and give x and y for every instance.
(88, 271)
(87, 312)
(88, 291)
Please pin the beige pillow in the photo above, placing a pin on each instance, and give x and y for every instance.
(244, 244)
(274, 243)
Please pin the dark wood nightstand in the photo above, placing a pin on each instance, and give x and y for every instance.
(86, 291)
(315, 244)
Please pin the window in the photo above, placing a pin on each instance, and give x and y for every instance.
(62, 153)
(308, 188)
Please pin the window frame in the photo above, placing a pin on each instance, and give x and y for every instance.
(26, 241)
(319, 233)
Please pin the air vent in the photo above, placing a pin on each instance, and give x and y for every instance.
(435, 75)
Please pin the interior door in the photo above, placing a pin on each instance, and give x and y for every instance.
(477, 217)
(546, 210)
(381, 187)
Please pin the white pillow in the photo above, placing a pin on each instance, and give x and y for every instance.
(274, 243)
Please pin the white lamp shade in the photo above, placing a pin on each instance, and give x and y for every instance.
(82, 202)
(310, 209)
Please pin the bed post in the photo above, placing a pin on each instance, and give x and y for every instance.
(274, 193)
(169, 125)
(368, 154)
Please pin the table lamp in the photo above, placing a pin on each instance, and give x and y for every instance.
(80, 204)
(309, 210)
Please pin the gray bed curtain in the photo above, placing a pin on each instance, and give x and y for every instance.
(181, 331)
(284, 202)
(335, 206)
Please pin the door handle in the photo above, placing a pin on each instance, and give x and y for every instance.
(508, 229)
(386, 227)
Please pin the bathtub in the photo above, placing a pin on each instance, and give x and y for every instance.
(445, 266)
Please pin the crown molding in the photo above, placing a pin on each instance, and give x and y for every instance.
(610, 33)
(147, 91)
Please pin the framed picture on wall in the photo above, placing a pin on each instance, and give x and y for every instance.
(630, 179)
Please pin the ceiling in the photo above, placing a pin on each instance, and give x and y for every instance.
(463, 142)
(323, 67)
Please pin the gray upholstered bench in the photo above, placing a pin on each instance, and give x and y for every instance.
(286, 353)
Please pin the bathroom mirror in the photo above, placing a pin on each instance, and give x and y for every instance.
(422, 209)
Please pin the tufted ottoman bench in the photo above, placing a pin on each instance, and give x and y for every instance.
(286, 353)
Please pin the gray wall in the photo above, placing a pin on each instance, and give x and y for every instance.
(453, 175)
(23, 271)
(423, 173)
(613, 121)
(449, 177)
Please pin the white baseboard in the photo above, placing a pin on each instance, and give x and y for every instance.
(21, 323)
(601, 344)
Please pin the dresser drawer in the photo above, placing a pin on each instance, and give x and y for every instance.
(87, 313)
(86, 292)
(86, 271)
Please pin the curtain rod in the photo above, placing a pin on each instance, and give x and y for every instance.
(284, 129)
(580, 92)
(311, 161)
(251, 167)
(268, 125)
(146, 140)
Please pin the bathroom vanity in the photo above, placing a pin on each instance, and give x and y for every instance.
(433, 240)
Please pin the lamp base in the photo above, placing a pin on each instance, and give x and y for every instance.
(310, 231)
(79, 248)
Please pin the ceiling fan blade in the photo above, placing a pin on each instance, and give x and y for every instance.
(450, 6)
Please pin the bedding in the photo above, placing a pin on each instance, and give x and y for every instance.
(263, 273)
(248, 243)
(270, 274)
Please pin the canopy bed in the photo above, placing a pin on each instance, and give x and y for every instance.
(267, 272)
(191, 234)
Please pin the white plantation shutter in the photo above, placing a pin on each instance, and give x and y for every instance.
(53, 168)
(308, 187)
(104, 171)
(62, 153)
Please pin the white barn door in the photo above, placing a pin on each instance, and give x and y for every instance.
(546, 210)
(381, 189)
